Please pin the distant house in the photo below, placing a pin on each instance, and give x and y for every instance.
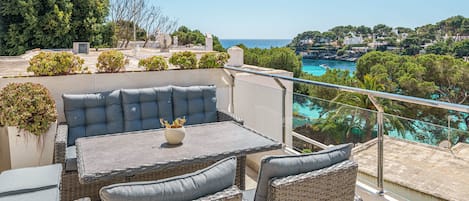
(360, 49)
(377, 44)
(456, 38)
(324, 41)
(392, 48)
(307, 42)
(354, 40)
(460, 38)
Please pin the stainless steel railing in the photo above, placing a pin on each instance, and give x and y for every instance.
(372, 95)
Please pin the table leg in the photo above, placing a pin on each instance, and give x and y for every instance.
(241, 171)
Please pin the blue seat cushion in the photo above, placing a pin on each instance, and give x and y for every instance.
(197, 103)
(282, 166)
(93, 114)
(30, 180)
(143, 108)
(210, 180)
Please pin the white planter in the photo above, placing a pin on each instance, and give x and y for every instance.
(20, 149)
(174, 135)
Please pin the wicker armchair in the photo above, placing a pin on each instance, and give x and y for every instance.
(336, 182)
(229, 194)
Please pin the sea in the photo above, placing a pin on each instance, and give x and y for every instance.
(318, 67)
(253, 43)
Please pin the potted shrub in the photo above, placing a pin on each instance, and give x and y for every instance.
(153, 63)
(111, 61)
(185, 60)
(50, 64)
(174, 132)
(213, 60)
(28, 124)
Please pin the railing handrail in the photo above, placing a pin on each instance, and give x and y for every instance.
(397, 97)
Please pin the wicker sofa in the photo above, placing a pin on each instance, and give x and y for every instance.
(126, 110)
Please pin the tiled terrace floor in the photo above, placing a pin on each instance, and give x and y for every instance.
(439, 172)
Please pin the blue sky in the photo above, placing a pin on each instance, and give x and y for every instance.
(283, 19)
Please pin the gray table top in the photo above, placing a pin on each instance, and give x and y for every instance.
(127, 154)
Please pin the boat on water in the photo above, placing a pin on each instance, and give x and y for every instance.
(325, 66)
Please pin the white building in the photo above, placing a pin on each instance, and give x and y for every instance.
(307, 41)
(354, 40)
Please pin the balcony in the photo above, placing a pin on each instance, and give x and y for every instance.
(393, 164)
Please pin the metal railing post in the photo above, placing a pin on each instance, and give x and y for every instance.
(232, 93)
(380, 122)
(449, 133)
(284, 94)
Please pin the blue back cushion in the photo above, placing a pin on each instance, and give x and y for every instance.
(197, 103)
(144, 107)
(93, 114)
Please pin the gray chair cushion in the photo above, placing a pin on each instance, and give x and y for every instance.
(71, 159)
(197, 103)
(248, 195)
(143, 108)
(191, 186)
(282, 166)
(93, 114)
(30, 180)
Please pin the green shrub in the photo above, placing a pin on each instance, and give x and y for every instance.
(185, 60)
(213, 60)
(27, 106)
(48, 63)
(153, 63)
(111, 61)
(306, 151)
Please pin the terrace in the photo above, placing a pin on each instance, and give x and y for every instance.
(390, 166)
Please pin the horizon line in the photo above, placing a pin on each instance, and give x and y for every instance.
(255, 39)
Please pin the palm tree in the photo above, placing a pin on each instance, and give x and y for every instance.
(356, 111)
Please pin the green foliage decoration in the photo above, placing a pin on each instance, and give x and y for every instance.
(278, 58)
(154, 63)
(28, 106)
(111, 61)
(50, 64)
(185, 60)
(213, 60)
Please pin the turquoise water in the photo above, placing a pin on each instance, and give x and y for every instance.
(318, 67)
(253, 43)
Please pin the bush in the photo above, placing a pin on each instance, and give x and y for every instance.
(153, 63)
(185, 60)
(27, 106)
(213, 60)
(111, 61)
(49, 64)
